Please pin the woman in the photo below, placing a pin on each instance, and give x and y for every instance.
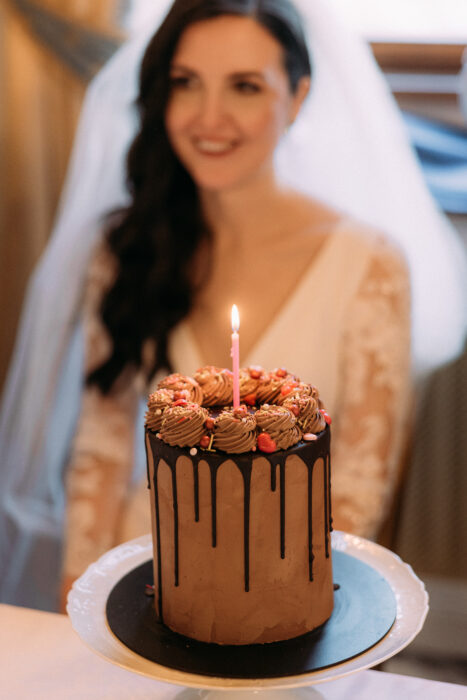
(206, 204)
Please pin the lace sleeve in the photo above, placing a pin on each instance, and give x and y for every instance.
(375, 399)
(101, 460)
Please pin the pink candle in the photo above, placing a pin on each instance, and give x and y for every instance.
(235, 353)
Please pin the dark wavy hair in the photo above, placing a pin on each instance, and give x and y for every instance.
(156, 238)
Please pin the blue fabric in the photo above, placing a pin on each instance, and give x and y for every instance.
(442, 152)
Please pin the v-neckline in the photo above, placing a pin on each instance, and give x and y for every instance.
(189, 339)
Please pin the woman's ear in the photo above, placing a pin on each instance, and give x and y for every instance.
(299, 96)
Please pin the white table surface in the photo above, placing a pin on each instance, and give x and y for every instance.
(42, 657)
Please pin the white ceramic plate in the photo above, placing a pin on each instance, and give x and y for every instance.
(88, 598)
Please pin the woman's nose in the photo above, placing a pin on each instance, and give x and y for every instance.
(211, 112)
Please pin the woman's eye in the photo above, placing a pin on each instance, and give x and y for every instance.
(248, 88)
(181, 82)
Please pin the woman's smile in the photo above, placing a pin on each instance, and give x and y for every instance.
(214, 147)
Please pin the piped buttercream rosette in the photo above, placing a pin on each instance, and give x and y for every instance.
(216, 385)
(180, 384)
(279, 424)
(235, 431)
(250, 379)
(183, 424)
(307, 411)
(158, 401)
(273, 383)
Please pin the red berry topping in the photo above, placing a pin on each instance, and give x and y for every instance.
(255, 372)
(181, 402)
(204, 441)
(281, 372)
(241, 411)
(326, 416)
(294, 409)
(288, 388)
(250, 399)
(209, 423)
(266, 443)
(183, 394)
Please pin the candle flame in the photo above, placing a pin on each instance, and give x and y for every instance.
(235, 319)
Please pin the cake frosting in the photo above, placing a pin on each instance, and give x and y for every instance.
(240, 503)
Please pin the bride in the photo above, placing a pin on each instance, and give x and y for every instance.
(231, 151)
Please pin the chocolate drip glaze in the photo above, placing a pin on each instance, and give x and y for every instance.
(213, 468)
(327, 502)
(282, 504)
(311, 556)
(309, 453)
(159, 552)
(196, 487)
(273, 476)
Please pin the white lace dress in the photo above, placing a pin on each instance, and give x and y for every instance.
(345, 328)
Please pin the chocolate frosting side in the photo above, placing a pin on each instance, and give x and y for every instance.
(308, 452)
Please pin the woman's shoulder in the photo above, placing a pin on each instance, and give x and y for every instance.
(314, 214)
(353, 237)
(386, 266)
(376, 241)
(311, 214)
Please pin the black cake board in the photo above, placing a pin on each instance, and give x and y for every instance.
(364, 612)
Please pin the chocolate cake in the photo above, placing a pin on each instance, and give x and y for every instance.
(240, 503)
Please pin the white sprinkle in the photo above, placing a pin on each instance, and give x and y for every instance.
(193, 451)
(309, 437)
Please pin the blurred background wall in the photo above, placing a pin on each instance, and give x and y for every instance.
(50, 49)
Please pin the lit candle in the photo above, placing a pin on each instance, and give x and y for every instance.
(235, 353)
